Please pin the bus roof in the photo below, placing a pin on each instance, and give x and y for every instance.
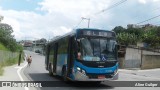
(92, 29)
(73, 32)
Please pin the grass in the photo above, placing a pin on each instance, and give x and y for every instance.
(1, 70)
(2, 47)
(9, 62)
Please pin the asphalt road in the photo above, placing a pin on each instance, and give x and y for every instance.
(37, 72)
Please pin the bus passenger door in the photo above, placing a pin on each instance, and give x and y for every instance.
(55, 58)
(47, 57)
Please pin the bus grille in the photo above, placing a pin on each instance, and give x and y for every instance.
(95, 76)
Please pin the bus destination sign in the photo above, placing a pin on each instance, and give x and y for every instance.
(98, 33)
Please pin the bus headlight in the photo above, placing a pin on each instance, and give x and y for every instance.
(81, 70)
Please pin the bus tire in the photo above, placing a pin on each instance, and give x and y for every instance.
(98, 82)
(64, 75)
(95, 82)
(50, 70)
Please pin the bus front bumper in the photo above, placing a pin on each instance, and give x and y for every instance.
(83, 77)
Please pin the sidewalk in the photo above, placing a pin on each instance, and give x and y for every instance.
(152, 74)
(12, 73)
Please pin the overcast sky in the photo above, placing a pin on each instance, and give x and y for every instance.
(35, 19)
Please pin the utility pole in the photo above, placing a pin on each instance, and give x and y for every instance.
(35, 42)
(87, 19)
(88, 22)
(19, 60)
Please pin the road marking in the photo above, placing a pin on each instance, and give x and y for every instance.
(18, 72)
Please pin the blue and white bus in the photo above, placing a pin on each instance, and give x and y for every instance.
(83, 55)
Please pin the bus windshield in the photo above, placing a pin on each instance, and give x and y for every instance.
(97, 49)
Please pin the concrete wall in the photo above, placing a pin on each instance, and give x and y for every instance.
(135, 58)
(4, 55)
(132, 58)
(144, 52)
(121, 62)
(150, 61)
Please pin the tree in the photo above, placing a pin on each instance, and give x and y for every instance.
(119, 29)
(6, 37)
(158, 31)
(1, 18)
(151, 37)
(127, 38)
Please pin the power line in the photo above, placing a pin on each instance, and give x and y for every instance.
(148, 19)
(78, 23)
(153, 10)
(112, 6)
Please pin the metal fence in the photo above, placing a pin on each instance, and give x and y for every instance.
(5, 55)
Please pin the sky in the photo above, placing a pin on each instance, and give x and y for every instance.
(36, 19)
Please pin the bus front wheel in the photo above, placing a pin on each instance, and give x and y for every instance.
(64, 74)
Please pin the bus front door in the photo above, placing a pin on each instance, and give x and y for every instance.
(70, 56)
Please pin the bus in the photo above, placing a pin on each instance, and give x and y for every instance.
(84, 54)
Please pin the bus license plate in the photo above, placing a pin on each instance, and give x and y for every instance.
(101, 76)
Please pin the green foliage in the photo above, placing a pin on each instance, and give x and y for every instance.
(127, 38)
(1, 18)
(19, 47)
(151, 36)
(2, 47)
(158, 31)
(8, 43)
(9, 62)
(119, 29)
(1, 70)
(7, 39)
(131, 36)
(137, 31)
